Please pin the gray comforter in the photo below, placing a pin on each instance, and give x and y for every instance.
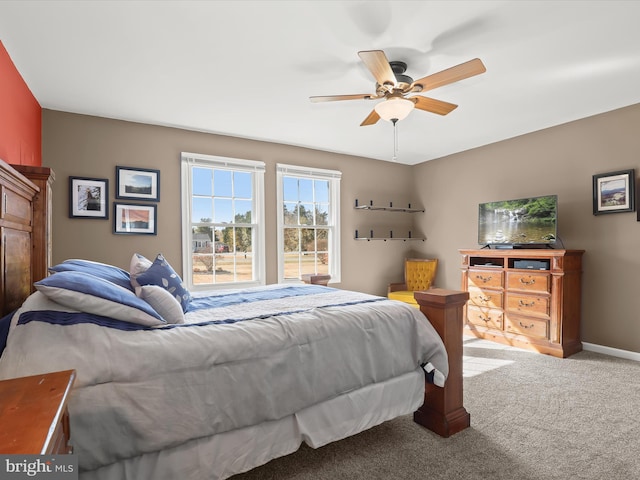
(242, 358)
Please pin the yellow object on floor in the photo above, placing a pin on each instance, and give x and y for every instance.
(418, 276)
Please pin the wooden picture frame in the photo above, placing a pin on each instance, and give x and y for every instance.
(137, 184)
(614, 192)
(88, 198)
(129, 219)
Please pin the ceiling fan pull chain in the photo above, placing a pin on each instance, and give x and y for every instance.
(395, 139)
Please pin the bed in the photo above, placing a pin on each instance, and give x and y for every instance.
(173, 384)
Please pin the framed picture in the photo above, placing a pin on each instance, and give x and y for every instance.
(614, 192)
(134, 219)
(138, 184)
(88, 197)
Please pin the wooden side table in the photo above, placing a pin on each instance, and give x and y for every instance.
(316, 279)
(34, 415)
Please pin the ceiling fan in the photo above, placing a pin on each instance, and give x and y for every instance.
(394, 87)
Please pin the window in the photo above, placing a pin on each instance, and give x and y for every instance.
(308, 222)
(222, 221)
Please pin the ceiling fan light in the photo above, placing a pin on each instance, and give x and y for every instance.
(394, 108)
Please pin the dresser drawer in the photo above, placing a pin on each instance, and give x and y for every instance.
(485, 317)
(15, 207)
(485, 298)
(531, 327)
(538, 305)
(529, 282)
(485, 278)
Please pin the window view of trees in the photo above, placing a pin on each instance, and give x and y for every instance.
(223, 239)
(306, 226)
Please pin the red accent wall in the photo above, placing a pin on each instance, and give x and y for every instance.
(20, 117)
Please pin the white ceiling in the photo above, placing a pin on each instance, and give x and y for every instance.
(247, 69)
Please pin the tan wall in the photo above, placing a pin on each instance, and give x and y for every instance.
(79, 145)
(562, 161)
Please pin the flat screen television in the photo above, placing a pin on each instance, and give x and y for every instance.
(524, 222)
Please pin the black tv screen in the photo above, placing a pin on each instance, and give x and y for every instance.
(524, 221)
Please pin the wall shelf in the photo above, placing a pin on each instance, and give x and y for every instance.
(390, 208)
(390, 237)
(368, 239)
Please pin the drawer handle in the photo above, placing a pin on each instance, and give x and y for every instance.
(527, 282)
(483, 279)
(522, 303)
(486, 319)
(484, 298)
(526, 326)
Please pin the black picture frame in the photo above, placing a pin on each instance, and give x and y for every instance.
(88, 198)
(614, 192)
(637, 202)
(135, 219)
(137, 184)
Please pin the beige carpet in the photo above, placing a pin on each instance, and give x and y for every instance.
(532, 417)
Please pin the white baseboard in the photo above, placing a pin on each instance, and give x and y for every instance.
(614, 352)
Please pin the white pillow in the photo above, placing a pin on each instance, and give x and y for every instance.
(162, 302)
(139, 264)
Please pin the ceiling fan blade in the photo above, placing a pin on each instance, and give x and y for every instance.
(377, 63)
(371, 119)
(334, 98)
(450, 75)
(432, 105)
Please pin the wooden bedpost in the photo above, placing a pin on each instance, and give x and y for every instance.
(442, 411)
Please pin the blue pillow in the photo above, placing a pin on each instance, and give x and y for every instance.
(5, 323)
(160, 273)
(87, 293)
(102, 270)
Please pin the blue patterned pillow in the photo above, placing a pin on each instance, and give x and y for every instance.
(162, 274)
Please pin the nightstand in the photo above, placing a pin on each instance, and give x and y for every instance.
(34, 415)
(316, 279)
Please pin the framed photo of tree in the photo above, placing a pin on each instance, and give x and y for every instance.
(88, 197)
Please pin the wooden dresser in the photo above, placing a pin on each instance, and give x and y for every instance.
(33, 414)
(16, 237)
(530, 298)
(43, 178)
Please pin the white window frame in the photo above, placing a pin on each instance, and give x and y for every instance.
(333, 176)
(190, 160)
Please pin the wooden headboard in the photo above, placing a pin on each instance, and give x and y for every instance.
(25, 225)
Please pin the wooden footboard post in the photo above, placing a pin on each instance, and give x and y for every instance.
(442, 411)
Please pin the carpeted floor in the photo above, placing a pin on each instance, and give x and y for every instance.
(532, 417)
